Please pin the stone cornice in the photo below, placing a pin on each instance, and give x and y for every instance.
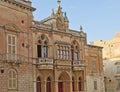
(62, 42)
(19, 4)
(52, 29)
(94, 46)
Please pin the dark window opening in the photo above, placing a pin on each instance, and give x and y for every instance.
(73, 86)
(39, 51)
(80, 84)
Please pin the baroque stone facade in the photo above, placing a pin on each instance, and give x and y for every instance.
(45, 56)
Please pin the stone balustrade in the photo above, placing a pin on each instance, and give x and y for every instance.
(45, 63)
(12, 58)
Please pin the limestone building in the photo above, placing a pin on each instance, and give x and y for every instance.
(111, 62)
(46, 55)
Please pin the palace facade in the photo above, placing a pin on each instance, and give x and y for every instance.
(46, 55)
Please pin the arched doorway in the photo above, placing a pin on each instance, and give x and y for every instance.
(64, 82)
(60, 85)
(38, 85)
(48, 85)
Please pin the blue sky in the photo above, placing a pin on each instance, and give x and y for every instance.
(100, 18)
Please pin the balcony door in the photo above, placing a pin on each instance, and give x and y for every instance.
(39, 51)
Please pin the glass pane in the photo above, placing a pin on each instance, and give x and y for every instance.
(9, 49)
(45, 51)
(76, 55)
(118, 84)
(10, 83)
(14, 74)
(118, 69)
(9, 39)
(14, 83)
(13, 40)
(13, 49)
(10, 74)
(39, 51)
(95, 85)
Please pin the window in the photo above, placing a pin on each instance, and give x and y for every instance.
(48, 85)
(12, 79)
(118, 84)
(76, 56)
(73, 86)
(63, 52)
(94, 68)
(95, 85)
(42, 49)
(11, 44)
(45, 51)
(39, 51)
(72, 55)
(38, 85)
(118, 69)
(80, 84)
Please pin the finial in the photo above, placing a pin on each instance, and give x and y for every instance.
(58, 1)
(81, 28)
(65, 17)
(65, 14)
(52, 12)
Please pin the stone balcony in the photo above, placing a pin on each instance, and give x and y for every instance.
(44, 63)
(12, 58)
(78, 65)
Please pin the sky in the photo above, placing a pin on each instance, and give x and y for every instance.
(100, 19)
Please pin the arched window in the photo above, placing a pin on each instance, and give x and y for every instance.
(38, 84)
(73, 86)
(80, 84)
(48, 85)
(12, 79)
(42, 47)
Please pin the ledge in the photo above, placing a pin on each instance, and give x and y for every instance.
(20, 4)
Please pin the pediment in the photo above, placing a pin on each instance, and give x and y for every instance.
(12, 27)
